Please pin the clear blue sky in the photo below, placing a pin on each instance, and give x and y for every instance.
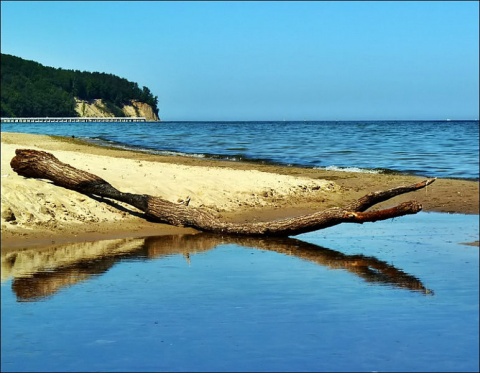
(266, 60)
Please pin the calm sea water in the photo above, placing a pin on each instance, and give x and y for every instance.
(427, 148)
(398, 295)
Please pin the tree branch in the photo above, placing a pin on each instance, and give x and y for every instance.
(43, 165)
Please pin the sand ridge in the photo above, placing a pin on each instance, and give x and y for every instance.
(33, 210)
(30, 204)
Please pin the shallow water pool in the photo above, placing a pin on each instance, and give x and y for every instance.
(397, 295)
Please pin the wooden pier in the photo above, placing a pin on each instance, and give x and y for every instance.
(73, 119)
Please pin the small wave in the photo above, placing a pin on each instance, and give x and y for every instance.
(238, 157)
(351, 169)
(117, 145)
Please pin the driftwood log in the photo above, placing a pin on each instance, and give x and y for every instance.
(43, 165)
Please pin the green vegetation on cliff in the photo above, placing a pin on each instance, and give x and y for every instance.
(29, 89)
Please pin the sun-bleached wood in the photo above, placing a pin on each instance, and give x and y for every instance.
(44, 165)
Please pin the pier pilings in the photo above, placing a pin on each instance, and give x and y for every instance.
(73, 119)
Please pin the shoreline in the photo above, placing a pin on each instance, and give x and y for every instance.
(239, 191)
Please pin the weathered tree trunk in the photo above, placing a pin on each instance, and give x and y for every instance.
(43, 165)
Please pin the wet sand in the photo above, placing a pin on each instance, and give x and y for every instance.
(37, 213)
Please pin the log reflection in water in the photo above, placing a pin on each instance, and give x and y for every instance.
(41, 273)
(368, 268)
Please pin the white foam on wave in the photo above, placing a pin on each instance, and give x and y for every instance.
(349, 169)
(166, 152)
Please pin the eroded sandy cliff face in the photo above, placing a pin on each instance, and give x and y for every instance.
(97, 108)
(93, 108)
(140, 109)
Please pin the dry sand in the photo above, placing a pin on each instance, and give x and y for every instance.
(36, 213)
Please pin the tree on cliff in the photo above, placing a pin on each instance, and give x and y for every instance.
(29, 89)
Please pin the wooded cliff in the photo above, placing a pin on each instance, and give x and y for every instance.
(29, 89)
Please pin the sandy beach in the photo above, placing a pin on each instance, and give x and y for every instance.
(37, 213)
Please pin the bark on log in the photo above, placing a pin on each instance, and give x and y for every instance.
(43, 165)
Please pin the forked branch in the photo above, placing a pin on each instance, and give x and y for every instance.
(43, 165)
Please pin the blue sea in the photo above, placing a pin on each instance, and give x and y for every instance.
(448, 149)
(400, 295)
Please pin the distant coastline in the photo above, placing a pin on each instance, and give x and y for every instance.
(30, 89)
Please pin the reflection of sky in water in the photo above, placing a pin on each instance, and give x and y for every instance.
(229, 307)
